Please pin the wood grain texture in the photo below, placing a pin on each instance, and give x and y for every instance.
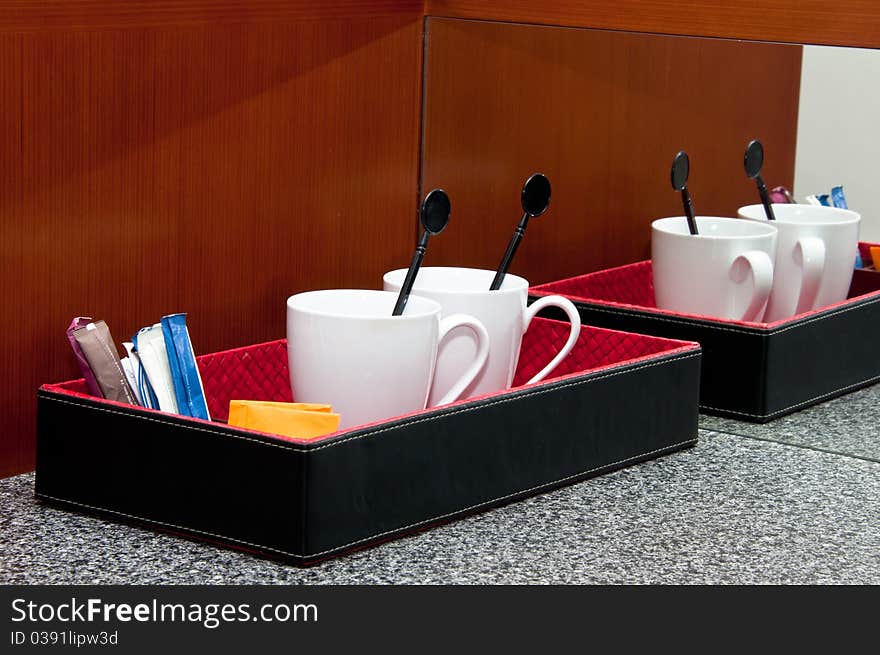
(213, 170)
(71, 15)
(844, 22)
(602, 114)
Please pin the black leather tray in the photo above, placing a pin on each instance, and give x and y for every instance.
(751, 371)
(616, 400)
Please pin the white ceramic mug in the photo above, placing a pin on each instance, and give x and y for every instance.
(345, 348)
(503, 312)
(815, 256)
(725, 271)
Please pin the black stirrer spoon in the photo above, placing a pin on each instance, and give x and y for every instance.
(535, 200)
(434, 215)
(681, 169)
(753, 162)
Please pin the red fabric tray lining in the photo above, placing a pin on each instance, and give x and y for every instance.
(632, 286)
(259, 372)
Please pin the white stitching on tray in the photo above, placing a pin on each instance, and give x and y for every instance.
(756, 330)
(381, 534)
(170, 423)
(440, 414)
(801, 404)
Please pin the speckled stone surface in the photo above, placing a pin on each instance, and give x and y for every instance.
(730, 510)
(848, 425)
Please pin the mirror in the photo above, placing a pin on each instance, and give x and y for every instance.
(614, 109)
(838, 135)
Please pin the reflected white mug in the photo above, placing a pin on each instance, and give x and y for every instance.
(725, 271)
(504, 314)
(345, 348)
(815, 256)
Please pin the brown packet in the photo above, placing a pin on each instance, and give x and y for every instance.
(97, 345)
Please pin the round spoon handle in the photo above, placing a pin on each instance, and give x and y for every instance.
(753, 162)
(518, 234)
(535, 198)
(434, 215)
(681, 170)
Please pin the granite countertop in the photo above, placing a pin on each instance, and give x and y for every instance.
(793, 501)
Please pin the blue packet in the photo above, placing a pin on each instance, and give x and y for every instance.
(838, 198)
(823, 200)
(184, 370)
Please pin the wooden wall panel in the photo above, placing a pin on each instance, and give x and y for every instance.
(842, 22)
(211, 169)
(602, 114)
(78, 15)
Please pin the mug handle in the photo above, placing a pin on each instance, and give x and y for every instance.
(761, 266)
(447, 325)
(810, 254)
(573, 316)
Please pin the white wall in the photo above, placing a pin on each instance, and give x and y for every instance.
(838, 138)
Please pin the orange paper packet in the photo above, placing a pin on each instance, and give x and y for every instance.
(298, 420)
